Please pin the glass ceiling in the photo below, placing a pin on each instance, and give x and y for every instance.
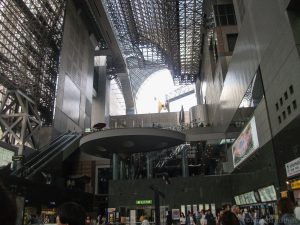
(156, 34)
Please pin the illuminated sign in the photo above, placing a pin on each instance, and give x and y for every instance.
(284, 194)
(267, 194)
(295, 184)
(143, 202)
(293, 168)
(244, 199)
(245, 144)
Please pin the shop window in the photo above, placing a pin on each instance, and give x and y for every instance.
(231, 39)
(225, 14)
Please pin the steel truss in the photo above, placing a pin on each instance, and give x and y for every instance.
(19, 120)
(30, 41)
(160, 33)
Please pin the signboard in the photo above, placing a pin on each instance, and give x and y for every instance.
(295, 184)
(175, 214)
(237, 200)
(293, 168)
(144, 202)
(245, 144)
(247, 198)
(284, 194)
(267, 194)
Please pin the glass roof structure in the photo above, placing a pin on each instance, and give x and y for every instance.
(157, 34)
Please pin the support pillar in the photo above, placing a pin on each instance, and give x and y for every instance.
(122, 170)
(149, 167)
(185, 168)
(115, 166)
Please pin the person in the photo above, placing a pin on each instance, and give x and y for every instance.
(182, 219)
(248, 219)
(262, 220)
(286, 212)
(229, 218)
(8, 207)
(297, 212)
(145, 221)
(203, 220)
(169, 218)
(70, 213)
(210, 218)
(236, 211)
(190, 219)
(88, 220)
(219, 217)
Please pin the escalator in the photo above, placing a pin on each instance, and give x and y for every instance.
(50, 156)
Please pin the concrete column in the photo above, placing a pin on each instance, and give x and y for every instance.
(198, 90)
(100, 106)
(185, 168)
(115, 166)
(132, 172)
(149, 167)
(122, 170)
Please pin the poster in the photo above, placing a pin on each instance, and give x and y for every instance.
(175, 214)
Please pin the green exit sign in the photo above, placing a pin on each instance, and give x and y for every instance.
(143, 202)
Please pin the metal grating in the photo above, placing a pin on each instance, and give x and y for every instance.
(159, 33)
(30, 41)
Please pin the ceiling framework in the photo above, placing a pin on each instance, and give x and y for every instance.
(30, 41)
(159, 34)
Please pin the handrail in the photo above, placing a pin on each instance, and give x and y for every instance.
(46, 148)
(45, 151)
(68, 140)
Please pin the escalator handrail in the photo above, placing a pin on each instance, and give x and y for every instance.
(50, 146)
(53, 141)
(32, 160)
(47, 158)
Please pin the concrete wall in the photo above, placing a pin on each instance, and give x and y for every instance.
(75, 81)
(190, 190)
(265, 39)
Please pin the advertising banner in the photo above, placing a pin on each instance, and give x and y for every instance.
(245, 144)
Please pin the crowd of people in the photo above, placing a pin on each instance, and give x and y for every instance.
(235, 216)
(72, 213)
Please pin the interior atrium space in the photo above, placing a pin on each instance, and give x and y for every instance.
(160, 112)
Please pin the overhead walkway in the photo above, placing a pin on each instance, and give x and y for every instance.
(54, 152)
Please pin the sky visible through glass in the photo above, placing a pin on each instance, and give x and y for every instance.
(155, 89)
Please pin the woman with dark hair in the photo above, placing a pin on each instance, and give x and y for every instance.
(8, 207)
(70, 213)
(286, 212)
(229, 218)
